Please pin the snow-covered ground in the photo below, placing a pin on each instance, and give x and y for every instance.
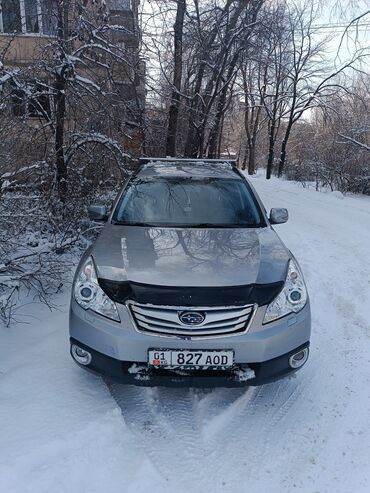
(61, 429)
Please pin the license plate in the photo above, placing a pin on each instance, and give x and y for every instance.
(159, 358)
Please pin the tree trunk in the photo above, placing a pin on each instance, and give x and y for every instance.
(219, 144)
(252, 115)
(242, 153)
(215, 131)
(274, 125)
(251, 130)
(252, 159)
(195, 112)
(60, 103)
(282, 157)
(270, 159)
(177, 76)
(283, 148)
(61, 166)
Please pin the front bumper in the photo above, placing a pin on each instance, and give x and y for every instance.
(121, 340)
(120, 352)
(137, 373)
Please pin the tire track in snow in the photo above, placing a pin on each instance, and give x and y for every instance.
(251, 431)
(212, 433)
(164, 423)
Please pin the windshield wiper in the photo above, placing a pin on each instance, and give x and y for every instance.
(216, 225)
(137, 223)
(187, 226)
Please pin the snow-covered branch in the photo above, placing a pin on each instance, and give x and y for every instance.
(351, 140)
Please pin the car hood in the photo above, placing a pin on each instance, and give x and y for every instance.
(194, 257)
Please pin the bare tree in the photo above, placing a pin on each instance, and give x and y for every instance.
(254, 75)
(73, 111)
(206, 39)
(277, 58)
(177, 78)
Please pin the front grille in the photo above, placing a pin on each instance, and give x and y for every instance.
(165, 321)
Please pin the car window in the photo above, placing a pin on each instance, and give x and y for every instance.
(188, 202)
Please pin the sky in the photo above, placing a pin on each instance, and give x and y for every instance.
(335, 21)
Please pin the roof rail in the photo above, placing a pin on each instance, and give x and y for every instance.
(147, 160)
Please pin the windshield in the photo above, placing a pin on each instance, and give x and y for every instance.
(187, 202)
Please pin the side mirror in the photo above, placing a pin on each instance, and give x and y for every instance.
(278, 216)
(98, 213)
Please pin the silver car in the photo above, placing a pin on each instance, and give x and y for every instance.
(189, 284)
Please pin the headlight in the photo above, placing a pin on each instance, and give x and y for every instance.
(292, 298)
(89, 294)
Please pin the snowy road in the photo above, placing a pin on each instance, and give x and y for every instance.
(62, 431)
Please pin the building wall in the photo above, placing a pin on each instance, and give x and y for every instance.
(22, 49)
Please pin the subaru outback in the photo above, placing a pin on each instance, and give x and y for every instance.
(188, 283)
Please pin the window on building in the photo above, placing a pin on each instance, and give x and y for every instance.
(28, 16)
(49, 16)
(32, 16)
(120, 4)
(10, 16)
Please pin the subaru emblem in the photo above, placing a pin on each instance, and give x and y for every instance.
(191, 318)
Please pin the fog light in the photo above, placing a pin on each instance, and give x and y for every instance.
(80, 355)
(299, 359)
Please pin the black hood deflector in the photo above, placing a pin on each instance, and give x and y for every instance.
(120, 292)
